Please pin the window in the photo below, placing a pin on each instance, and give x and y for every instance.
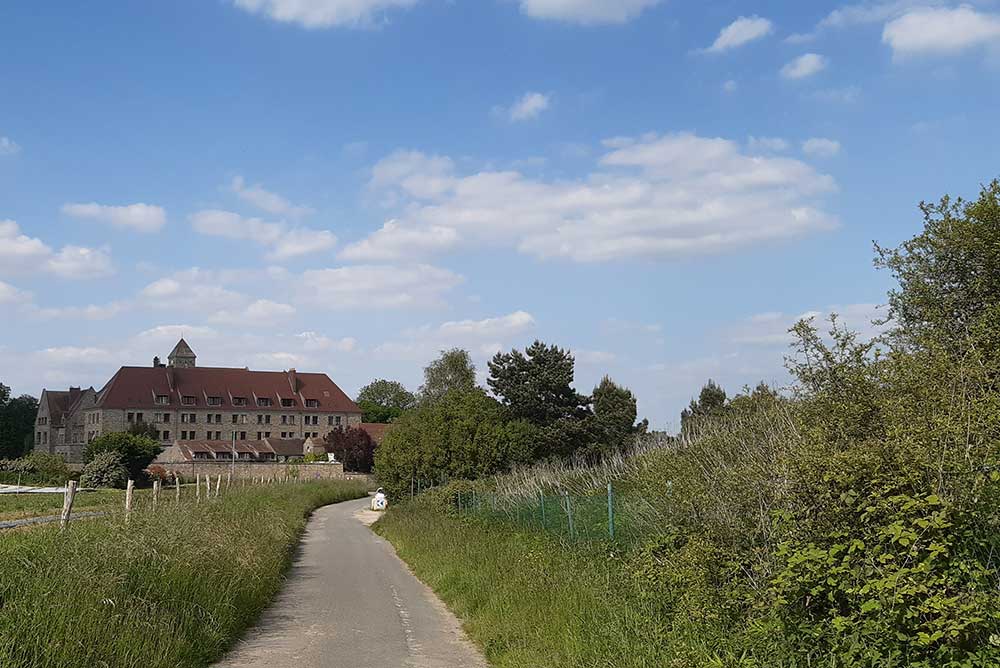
(291, 434)
(165, 435)
(218, 418)
(315, 420)
(329, 421)
(260, 435)
(288, 403)
(131, 417)
(284, 419)
(235, 417)
(267, 434)
(162, 399)
(239, 401)
(267, 419)
(264, 402)
(215, 401)
(138, 417)
(336, 420)
(312, 403)
(189, 401)
(243, 436)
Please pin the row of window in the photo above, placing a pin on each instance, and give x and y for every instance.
(216, 418)
(192, 435)
(262, 402)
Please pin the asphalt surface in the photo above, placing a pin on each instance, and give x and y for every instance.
(350, 602)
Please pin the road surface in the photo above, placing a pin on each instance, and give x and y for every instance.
(350, 602)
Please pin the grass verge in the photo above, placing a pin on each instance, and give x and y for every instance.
(172, 588)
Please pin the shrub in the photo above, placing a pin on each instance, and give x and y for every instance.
(354, 448)
(104, 470)
(135, 452)
(157, 472)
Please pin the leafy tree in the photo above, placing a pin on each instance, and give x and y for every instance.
(453, 370)
(354, 448)
(711, 401)
(135, 452)
(536, 385)
(384, 401)
(17, 423)
(147, 429)
(615, 413)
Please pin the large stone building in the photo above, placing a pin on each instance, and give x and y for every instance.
(187, 403)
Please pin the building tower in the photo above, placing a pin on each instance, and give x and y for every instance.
(182, 357)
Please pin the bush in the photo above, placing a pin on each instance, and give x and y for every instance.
(104, 470)
(354, 448)
(135, 452)
(35, 469)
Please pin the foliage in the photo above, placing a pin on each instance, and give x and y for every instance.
(104, 470)
(134, 452)
(37, 468)
(169, 588)
(143, 428)
(354, 448)
(536, 385)
(461, 435)
(711, 401)
(453, 370)
(615, 414)
(17, 423)
(384, 401)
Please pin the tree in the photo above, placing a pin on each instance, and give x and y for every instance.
(536, 385)
(711, 401)
(384, 400)
(354, 448)
(17, 423)
(135, 452)
(104, 470)
(615, 412)
(143, 428)
(452, 371)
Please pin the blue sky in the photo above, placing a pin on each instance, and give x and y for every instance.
(350, 186)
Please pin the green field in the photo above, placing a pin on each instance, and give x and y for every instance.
(168, 588)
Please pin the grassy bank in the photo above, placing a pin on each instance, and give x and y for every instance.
(171, 588)
(17, 506)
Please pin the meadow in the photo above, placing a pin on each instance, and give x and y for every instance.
(167, 588)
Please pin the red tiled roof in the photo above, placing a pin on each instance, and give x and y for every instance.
(137, 387)
(375, 430)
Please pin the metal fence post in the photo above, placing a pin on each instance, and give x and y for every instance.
(611, 512)
(569, 514)
(541, 505)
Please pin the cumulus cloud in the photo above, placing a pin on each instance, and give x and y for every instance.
(257, 313)
(771, 328)
(804, 66)
(8, 146)
(941, 31)
(860, 14)
(323, 13)
(139, 217)
(767, 144)
(283, 243)
(821, 147)
(315, 342)
(483, 338)
(396, 242)
(266, 200)
(528, 107)
(657, 196)
(742, 31)
(20, 253)
(88, 312)
(729, 86)
(11, 295)
(513, 323)
(587, 12)
(376, 286)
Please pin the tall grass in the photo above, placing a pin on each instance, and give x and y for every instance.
(169, 588)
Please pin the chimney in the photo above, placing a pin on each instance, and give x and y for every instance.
(292, 380)
(156, 362)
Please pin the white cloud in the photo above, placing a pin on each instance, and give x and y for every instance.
(323, 13)
(139, 217)
(19, 252)
(940, 31)
(861, 14)
(767, 144)
(771, 328)
(655, 196)
(821, 147)
(315, 342)
(396, 242)
(514, 323)
(376, 286)
(804, 66)
(89, 312)
(259, 312)
(265, 200)
(742, 31)
(192, 291)
(528, 107)
(729, 86)
(11, 295)
(284, 243)
(587, 12)
(8, 146)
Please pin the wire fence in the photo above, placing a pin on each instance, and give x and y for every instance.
(573, 517)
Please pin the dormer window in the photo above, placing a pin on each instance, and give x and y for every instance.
(162, 399)
(288, 403)
(239, 401)
(263, 402)
(215, 401)
(312, 403)
(189, 401)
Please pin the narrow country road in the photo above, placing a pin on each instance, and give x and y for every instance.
(350, 602)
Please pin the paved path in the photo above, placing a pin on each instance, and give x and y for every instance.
(350, 602)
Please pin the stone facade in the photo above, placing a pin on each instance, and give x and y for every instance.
(183, 402)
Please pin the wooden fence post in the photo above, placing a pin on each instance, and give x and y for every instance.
(177, 489)
(208, 487)
(197, 487)
(68, 497)
(218, 484)
(129, 489)
(156, 494)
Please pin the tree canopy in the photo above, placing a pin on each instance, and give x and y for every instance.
(384, 400)
(536, 385)
(17, 423)
(135, 451)
(453, 370)
(354, 448)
